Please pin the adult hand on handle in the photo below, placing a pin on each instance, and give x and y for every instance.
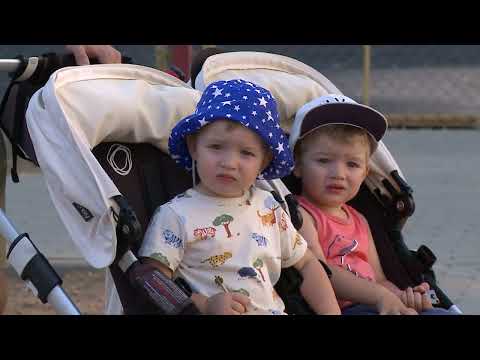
(105, 54)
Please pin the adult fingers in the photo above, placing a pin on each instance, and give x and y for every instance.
(106, 54)
(79, 53)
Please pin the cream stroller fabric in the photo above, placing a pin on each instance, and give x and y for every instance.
(293, 84)
(77, 109)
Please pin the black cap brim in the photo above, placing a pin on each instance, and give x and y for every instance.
(349, 114)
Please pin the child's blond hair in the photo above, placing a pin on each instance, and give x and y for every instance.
(338, 132)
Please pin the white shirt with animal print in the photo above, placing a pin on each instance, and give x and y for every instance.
(226, 244)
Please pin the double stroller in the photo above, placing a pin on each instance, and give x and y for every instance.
(99, 134)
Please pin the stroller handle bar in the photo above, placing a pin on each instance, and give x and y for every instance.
(35, 270)
(29, 65)
(10, 65)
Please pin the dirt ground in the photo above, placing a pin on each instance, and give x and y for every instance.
(84, 286)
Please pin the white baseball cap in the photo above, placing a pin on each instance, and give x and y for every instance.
(336, 109)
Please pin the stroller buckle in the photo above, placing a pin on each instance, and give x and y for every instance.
(433, 297)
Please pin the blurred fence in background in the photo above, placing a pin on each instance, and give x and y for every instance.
(415, 85)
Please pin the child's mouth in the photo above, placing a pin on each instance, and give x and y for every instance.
(225, 178)
(335, 188)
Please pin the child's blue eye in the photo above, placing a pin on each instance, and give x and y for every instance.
(214, 146)
(353, 164)
(323, 160)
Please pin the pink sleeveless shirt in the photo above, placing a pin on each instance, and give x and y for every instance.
(344, 242)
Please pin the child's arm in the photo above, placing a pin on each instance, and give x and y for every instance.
(219, 304)
(374, 261)
(199, 300)
(348, 286)
(316, 287)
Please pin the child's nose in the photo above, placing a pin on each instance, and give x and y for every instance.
(228, 161)
(338, 170)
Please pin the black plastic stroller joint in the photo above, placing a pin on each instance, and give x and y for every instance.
(401, 204)
(128, 225)
(417, 262)
(38, 271)
(426, 257)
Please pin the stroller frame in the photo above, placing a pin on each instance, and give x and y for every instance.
(29, 263)
(33, 267)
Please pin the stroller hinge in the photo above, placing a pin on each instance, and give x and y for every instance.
(404, 187)
(128, 226)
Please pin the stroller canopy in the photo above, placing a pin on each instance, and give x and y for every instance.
(291, 82)
(81, 107)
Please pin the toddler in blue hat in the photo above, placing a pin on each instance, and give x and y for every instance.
(225, 237)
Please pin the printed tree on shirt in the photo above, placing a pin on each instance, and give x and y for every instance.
(219, 281)
(258, 264)
(224, 220)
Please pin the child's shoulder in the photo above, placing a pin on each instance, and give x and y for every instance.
(177, 202)
(264, 198)
(186, 196)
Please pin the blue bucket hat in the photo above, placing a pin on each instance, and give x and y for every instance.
(244, 102)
